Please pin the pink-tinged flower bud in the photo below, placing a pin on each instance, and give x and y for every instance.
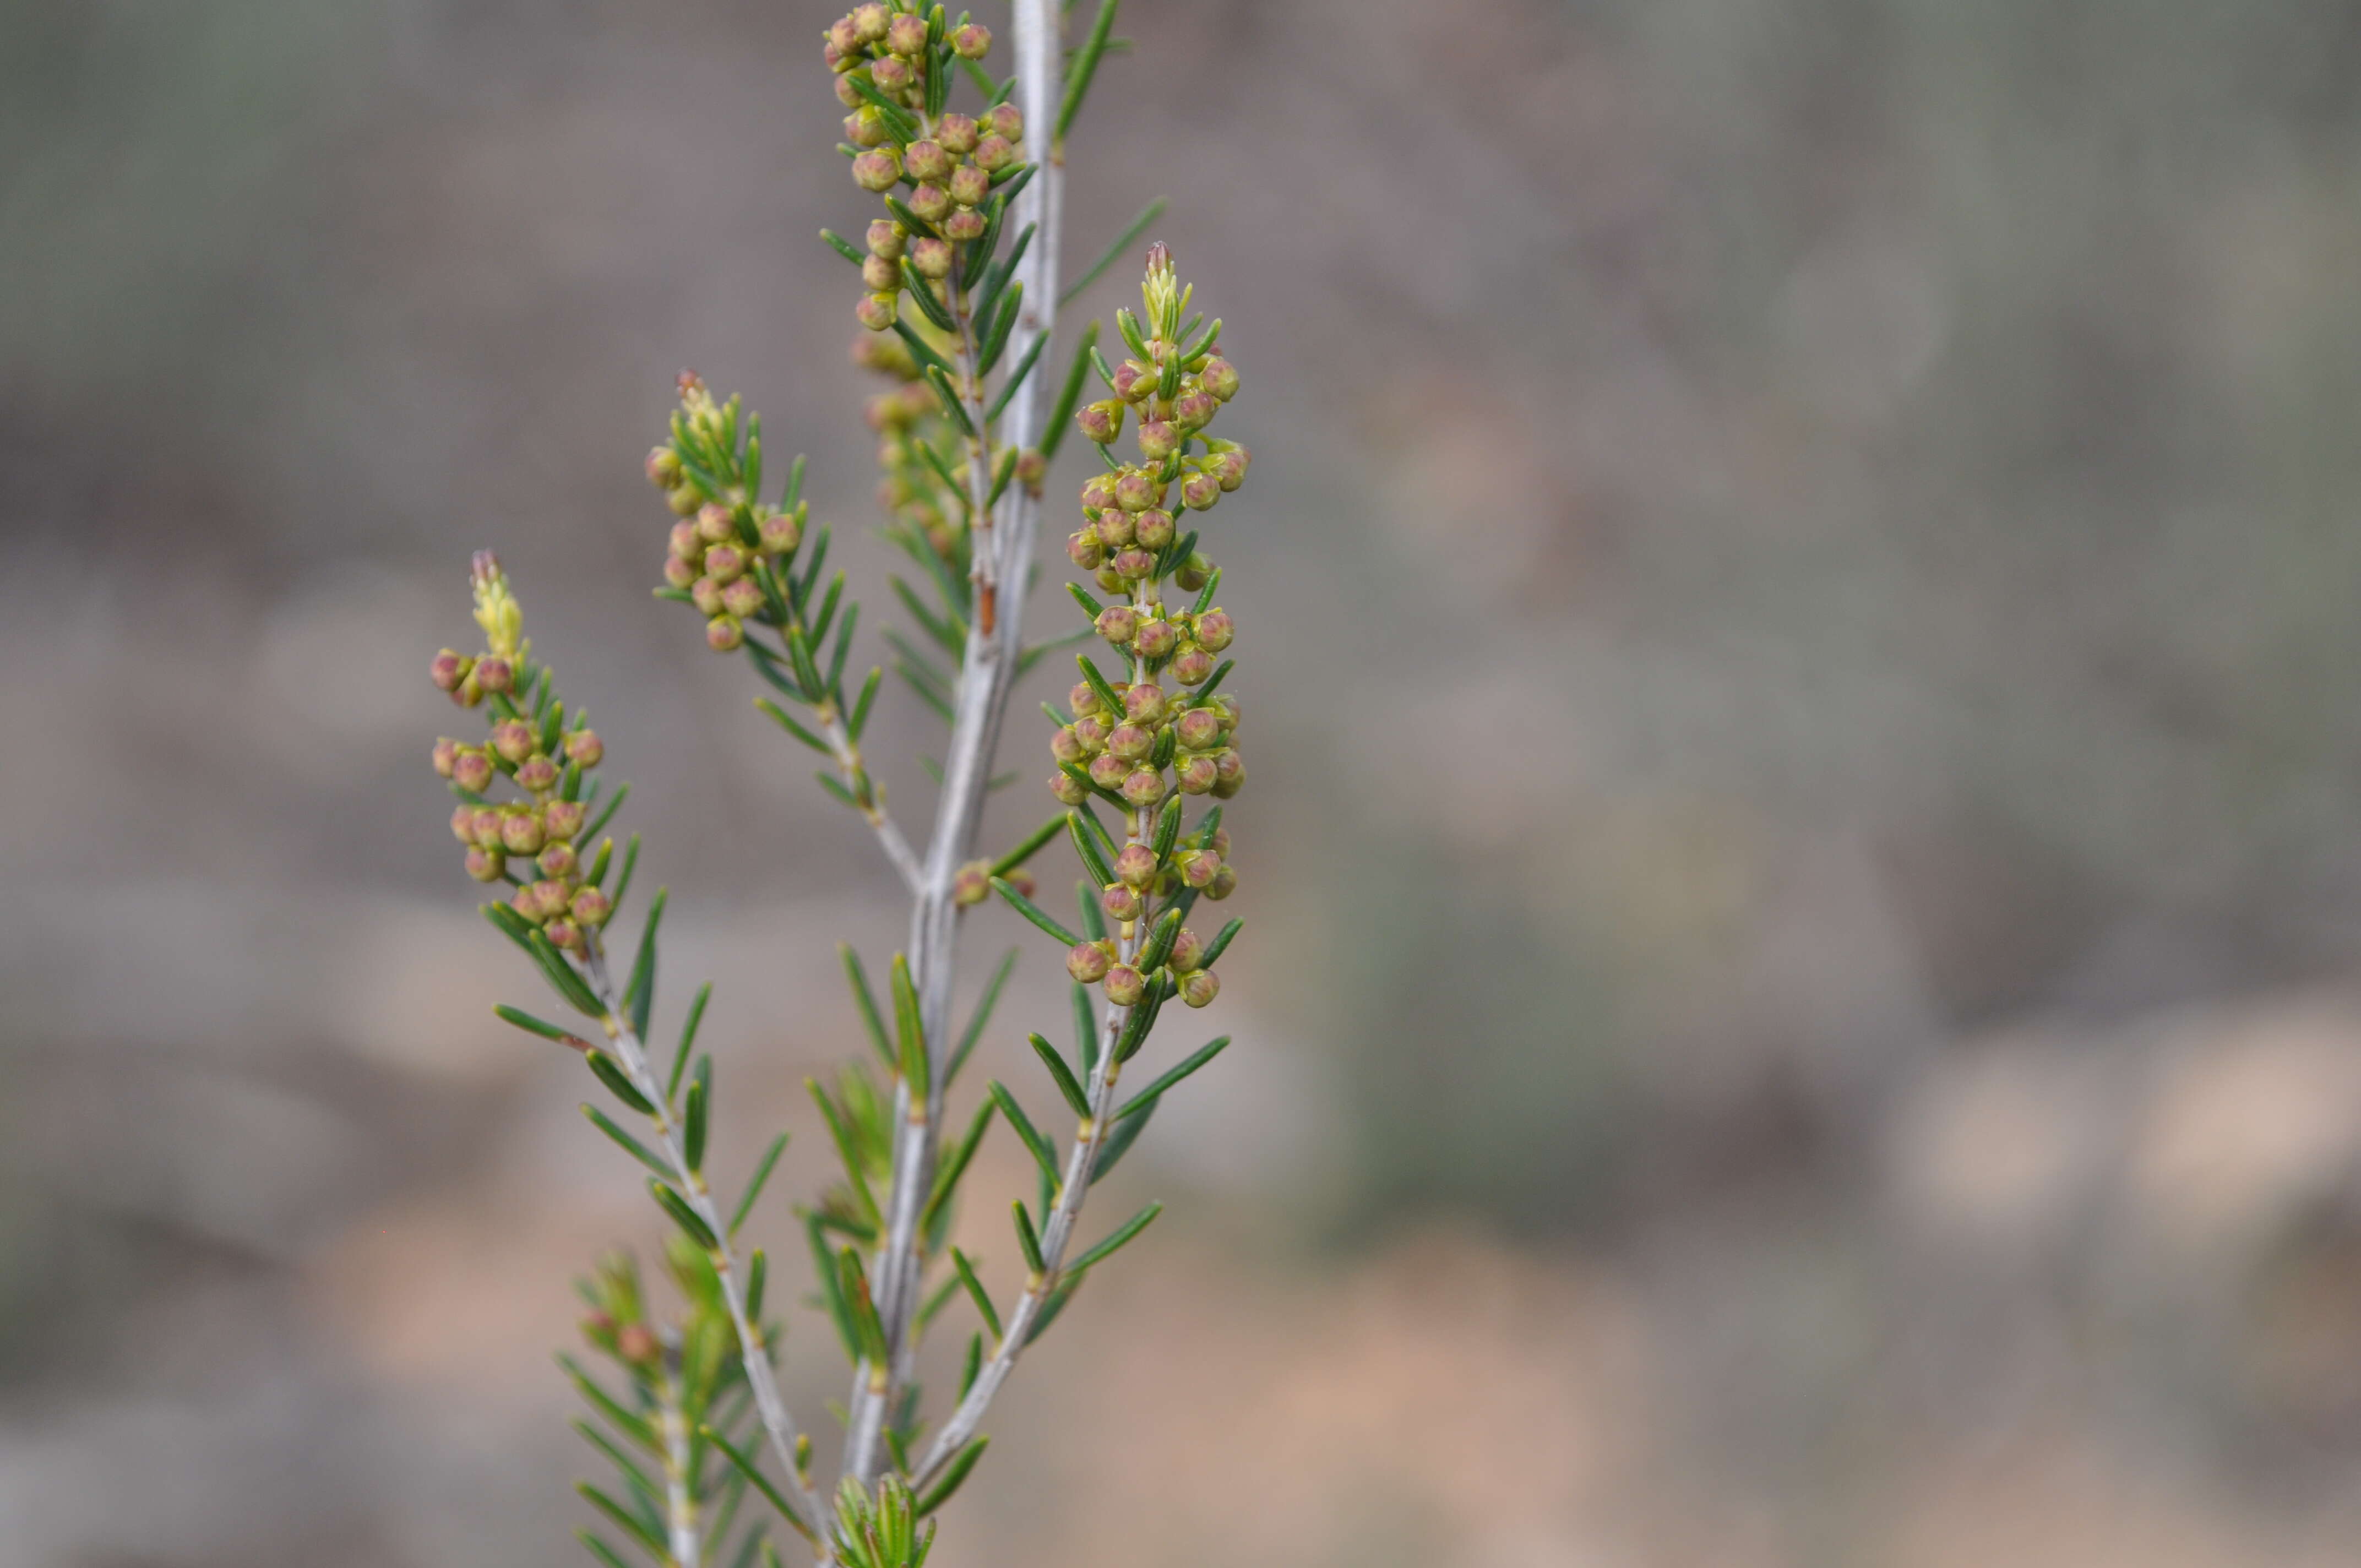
(1193, 573)
(781, 534)
(1143, 703)
(493, 675)
(965, 225)
(1197, 866)
(1227, 705)
(844, 34)
(1229, 774)
(447, 757)
(723, 634)
(1220, 843)
(891, 76)
(1134, 566)
(1031, 469)
(994, 152)
(1195, 776)
(484, 865)
(1200, 988)
(1188, 951)
(880, 276)
(663, 468)
(1193, 411)
(1219, 377)
(1226, 883)
(928, 160)
(875, 311)
(869, 22)
(1084, 550)
(563, 818)
(714, 523)
(1108, 771)
(564, 933)
(1130, 742)
(906, 33)
(929, 202)
(1145, 787)
(1199, 492)
(1021, 880)
(866, 127)
(550, 897)
(1005, 121)
(589, 907)
(1101, 423)
(1135, 490)
(526, 903)
(723, 562)
(450, 667)
(683, 499)
(1110, 579)
(537, 773)
(1118, 623)
(1155, 640)
(972, 41)
(1193, 666)
(486, 828)
(886, 238)
(1066, 746)
(1121, 901)
(1092, 730)
(1233, 467)
(1068, 791)
(971, 883)
(1214, 630)
(1116, 529)
(1133, 381)
(1084, 699)
(557, 861)
(846, 92)
(1125, 985)
(685, 543)
(1098, 492)
(879, 168)
(678, 572)
(585, 748)
(1088, 962)
(1199, 729)
(463, 823)
(970, 184)
(638, 1345)
(1158, 440)
(743, 598)
(1155, 528)
(929, 256)
(958, 133)
(706, 594)
(513, 738)
(1135, 867)
(521, 832)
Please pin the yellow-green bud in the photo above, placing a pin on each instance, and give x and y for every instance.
(879, 168)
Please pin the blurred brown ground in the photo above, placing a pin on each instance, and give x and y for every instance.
(1803, 868)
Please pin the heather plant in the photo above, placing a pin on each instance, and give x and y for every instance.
(958, 293)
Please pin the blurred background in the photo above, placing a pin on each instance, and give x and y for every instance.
(1803, 660)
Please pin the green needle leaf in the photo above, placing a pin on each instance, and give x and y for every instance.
(619, 1085)
(1124, 241)
(1144, 1101)
(532, 1025)
(693, 1122)
(975, 1289)
(745, 1466)
(867, 1003)
(1079, 74)
(1042, 1152)
(684, 1216)
(1061, 413)
(1115, 1242)
(1025, 906)
(630, 1145)
(941, 1491)
(755, 1183)
(1062, 1074)
(622, 1518)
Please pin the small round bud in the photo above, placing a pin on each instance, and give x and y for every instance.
(972, 41)
(886, 238)
(1088, 962)
(1220, 378)
(929, 256)
(513, 738)
(1032, 468)
(636, 1343)
(893, 77)
(928, 160)
(589, 907)
(1200, 988)
(523, 901)
(1108, 771)
(563, 818)
(1197, 867)
(1068, 790)
(1134, 566)
(705, 595)
(906, 33)
(678, 572)
(1135, 490)
(743, 598)
(994, 152)
(1155, 640)
(879, 168)
(450, 667)
(724, 563)
(463, 823)
(723, 634)
(1116, 529)
(521, 832)
(1121, 901)
(1125, 985)
(880, 276)
(1232, 469)
(1188, 951)
(1214, 630)
(1133, 381)
(1135, 867)
(1098, 492)
(1082, 548)
(1158, 440)
(970, 185)
(585, 748)
(1090, 729)
(964, 224)
(1229, 774)
(1084, 699)
(1192, 667)
(1195, 776)
(537, 773)
(869, 22)
(1006, 121)
(663, 468)
(1110, 579)
(563, 933)
(447, 757)
(1200, 491)
(683, 542)
(493, 675)
(485, 865)
(1101, 423)
(971, 883)
(929, 202)
(866, 127)
(1194, 573)
(1226, 883)
(1145, 787)
(550, 897)
(846, 92)
(486, 828)
(875, 311)
(958, 132)
(781, 534)
(1154, 528)
(683, 499)
(1118, 623)
(555, 860)
(1199, 729)
(1066, 746)
(714, 523)
(1130, 742)
(1193, 411)
(1220, 843)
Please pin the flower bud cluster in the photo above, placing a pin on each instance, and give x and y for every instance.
(531, 746)
(886, 57)
(724, 544)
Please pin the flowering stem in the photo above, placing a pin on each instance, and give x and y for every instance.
(680, 1500)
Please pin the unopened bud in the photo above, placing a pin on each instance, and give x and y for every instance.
(1116, 529)
(1133, 381)
(1200, 988)
(1098, 492)
(928, 160)
(743, 598)
(875, 311)
(536, 773)
(1134, 566)
(492, 674)
(1130, 742)
(563, 818)
(1229, 774)
(1121, 901)
(705, 595)
(485, 865)
(723, 634)
(1021, 880)
(486, 828)
(1110, 579)
(1232, 469)
(715, 525)
(1135, 490)
(447, 757)
(1135, 867)
(886, 238)
(521, 832)
(971, 883)
(1198, 867)
(781, 533)
(723, 562)
(1219, 377)
(865, 126)
(994, 152)
(1154, 528)
(844, 35)
(891, 76)
(678, 572)
(906, 33)
(550, 897)
(1199, 492)
(450, 667)
(1088, 962)
(1199, 729)
(463, 823)
(584, 748)
(557, 861)
(563, 933)
(1125, 985)
(685, 543)
(523, 901)
(929, 256)
(663, 468)
(972, 41)
(1108, 771)
(1068, 790)
(1188, 951)
(683, 499)
(1193, 573)
(964, 224)
(1101, 423)
(1192, 667)
(1090, 729)
(1193, 411)
(1066, 746)
(879, 168)
(636, 1343)
(1082, 548)
(1145, 787)
(513, 738)
(846, 92)
(1084, 699)
(1158, 440)
(1214, 630)
(589, 907)
(1195, 776)
(1006, 121)
(1155, 640)
(970, 184)
(1220, 842)
(870, 21)
(958, 132)
(1118, 623)
(880, 276)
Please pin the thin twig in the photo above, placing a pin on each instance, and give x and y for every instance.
(680, 1499)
